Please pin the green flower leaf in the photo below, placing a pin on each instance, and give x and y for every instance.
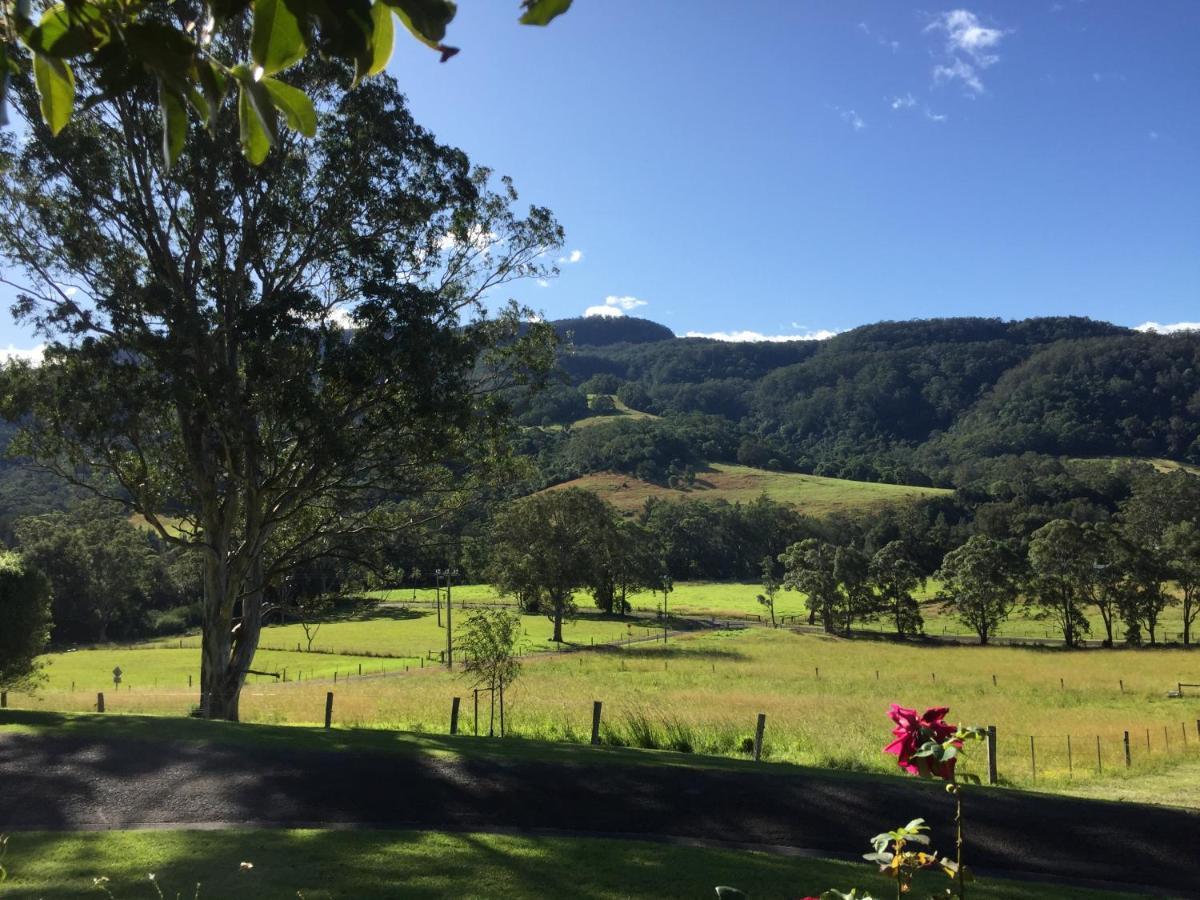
(297, 108)
(173, 114)
(276, 41)
(256, 123)
(426, 19)
(383, 37)
(56, 88)
(543, 12)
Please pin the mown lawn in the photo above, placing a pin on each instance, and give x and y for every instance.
(322, 865)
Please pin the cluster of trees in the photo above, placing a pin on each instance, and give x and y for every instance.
(545, 548)
(1128, 570)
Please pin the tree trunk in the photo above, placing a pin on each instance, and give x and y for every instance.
(558, 619)
(227, 649)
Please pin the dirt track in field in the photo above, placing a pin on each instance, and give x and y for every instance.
(75, 782)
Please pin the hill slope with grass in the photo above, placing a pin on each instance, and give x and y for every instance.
(811, 494)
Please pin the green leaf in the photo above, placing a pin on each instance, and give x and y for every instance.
(255, 136)
(426, 19)
(66, 31)
(56, 88)
(543, 12)
(276, 41)
(297, 108)
(383, 37)
(173, 114)
(161, 48)
(215, 85)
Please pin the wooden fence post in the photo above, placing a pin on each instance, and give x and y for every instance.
(454, 715)
(758, 736)
(100, 702)
(3, 699)
(1070, 761)
(596, 705)
(476, 712)
(1128, 756)
(991, 751)
(329, 709)
(1032, 758)
(1099, 761)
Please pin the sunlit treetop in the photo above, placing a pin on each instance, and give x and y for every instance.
(124, 42)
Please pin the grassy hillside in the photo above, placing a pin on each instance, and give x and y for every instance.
(812, 494)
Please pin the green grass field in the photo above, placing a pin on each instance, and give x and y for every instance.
(811, 494)
(825, 698)
(413, 632)
(322, 865)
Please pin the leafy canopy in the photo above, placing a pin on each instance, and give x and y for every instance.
(176, 46)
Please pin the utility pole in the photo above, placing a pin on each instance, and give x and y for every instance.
(449, 573)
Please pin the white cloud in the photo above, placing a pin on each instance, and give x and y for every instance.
(542, 282)
(964, 34)
(1174, 327)
(908, 101)
(625, 303)
(961, 70)
(1153, 135)
(935, 117)
(604, 312)
(573, 257)
(970, 48)
(853, 119)
(614, 306)
(33, 355)
(755, 336)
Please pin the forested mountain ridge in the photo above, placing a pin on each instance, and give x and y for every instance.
(893, 401)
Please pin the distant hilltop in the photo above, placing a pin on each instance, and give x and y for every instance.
(599, 331)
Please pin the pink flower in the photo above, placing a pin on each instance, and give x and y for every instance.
(912, 732)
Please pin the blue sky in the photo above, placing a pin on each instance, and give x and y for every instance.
(788, 167)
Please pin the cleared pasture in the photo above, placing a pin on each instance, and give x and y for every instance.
(825, 699)
(812, 494)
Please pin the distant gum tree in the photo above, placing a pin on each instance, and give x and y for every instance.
(1060, 567)
(981, 580)
(542, 550)
(809, 567)
(895, 576)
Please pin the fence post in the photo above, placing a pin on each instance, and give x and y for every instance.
(991, 751)
(1128, 757)
(329, 709)
(454, 715)
(3, 699)
(596, 705)
(476, 720)
(758, 736)
(1099, 761)
(1070, 761)
(100, 702)
(1032, 758)
(1122, 683)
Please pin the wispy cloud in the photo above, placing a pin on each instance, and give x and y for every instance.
(32, 355)
(970, 48)
(908, 101)
(756, 337)
(1153, 135)
(1156, 328)
(573, 257)
(851, 118)
(935, 117)
(614, 306)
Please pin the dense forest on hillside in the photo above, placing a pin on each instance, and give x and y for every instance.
(905, 402)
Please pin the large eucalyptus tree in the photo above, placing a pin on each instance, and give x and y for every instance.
(266, 362)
